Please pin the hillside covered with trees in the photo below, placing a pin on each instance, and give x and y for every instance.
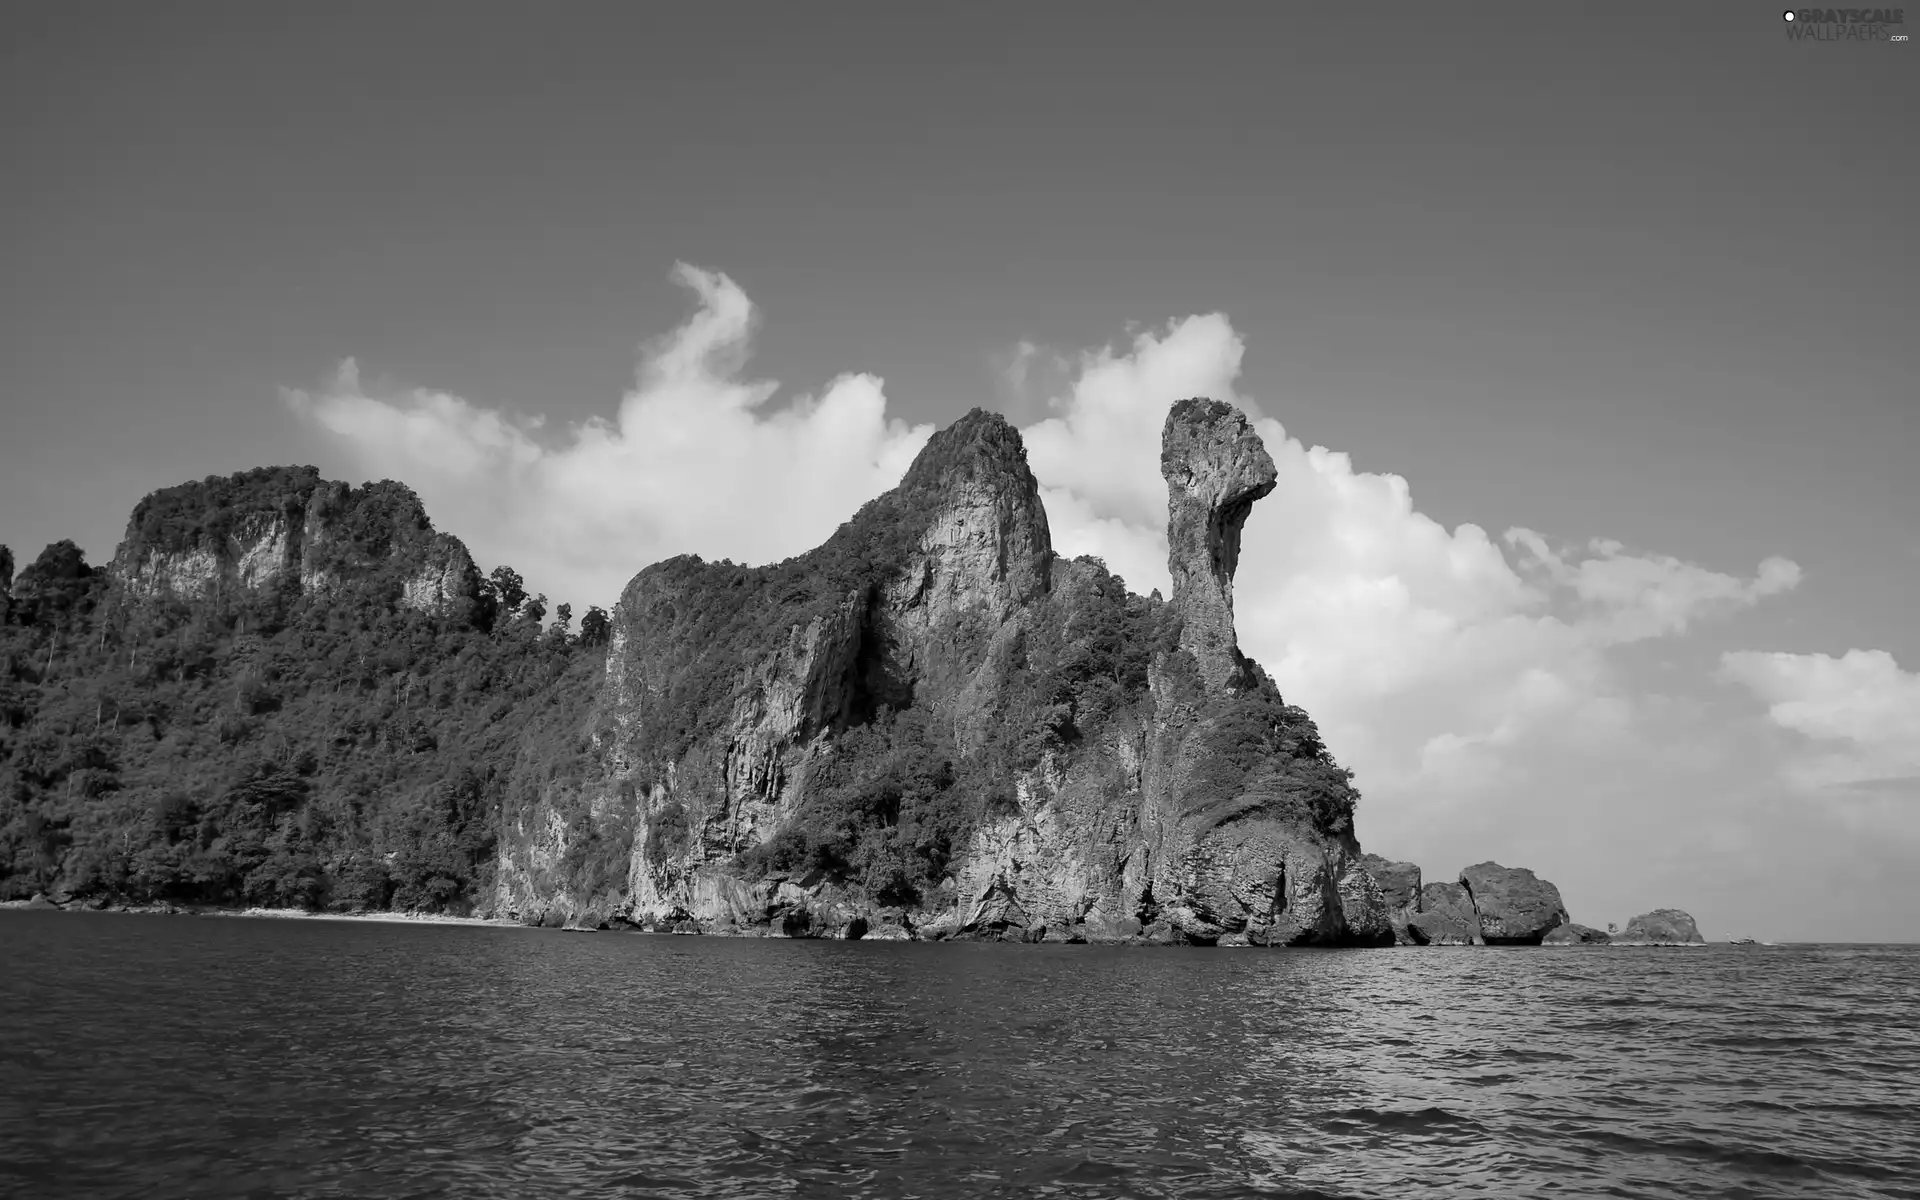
(315, 742)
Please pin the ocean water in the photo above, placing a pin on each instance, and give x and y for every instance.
(162, 1057)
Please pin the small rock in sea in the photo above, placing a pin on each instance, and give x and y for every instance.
(40, 901)
(1661, 927)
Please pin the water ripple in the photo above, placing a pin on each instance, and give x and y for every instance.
(157, 1057)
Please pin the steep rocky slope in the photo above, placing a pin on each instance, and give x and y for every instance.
(933, 726)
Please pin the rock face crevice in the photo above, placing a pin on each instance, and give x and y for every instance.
(933, 726)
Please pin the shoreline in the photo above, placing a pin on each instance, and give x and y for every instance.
(273, 914)
(417, 918)
(404, 918)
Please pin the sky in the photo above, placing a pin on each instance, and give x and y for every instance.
(1580, 335)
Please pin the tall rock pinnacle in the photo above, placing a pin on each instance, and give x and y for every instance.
(1216, 467)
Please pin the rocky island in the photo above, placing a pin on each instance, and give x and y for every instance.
(286, 692)
(1661, 927)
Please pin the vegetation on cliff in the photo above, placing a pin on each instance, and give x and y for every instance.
(274, 745)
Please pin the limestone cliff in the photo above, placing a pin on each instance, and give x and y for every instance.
(286, 527)
(933, 726)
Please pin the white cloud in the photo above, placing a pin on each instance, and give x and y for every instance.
(694, 462)
(1647, 596)
(1859, 712)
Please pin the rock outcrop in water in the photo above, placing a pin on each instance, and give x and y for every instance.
(1661, 927)
(1489, 905)
(1516, 907)
(934, 726)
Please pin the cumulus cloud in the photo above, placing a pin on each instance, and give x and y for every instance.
(1859, 716)
(1650, 595)
(694, 461)
(1472, 681)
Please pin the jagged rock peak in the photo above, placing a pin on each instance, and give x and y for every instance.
(1215, 466)
(980, 445)
(986, 538)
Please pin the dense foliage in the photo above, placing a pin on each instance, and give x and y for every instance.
(272, 746)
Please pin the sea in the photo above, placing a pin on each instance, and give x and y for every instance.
(171, 1056)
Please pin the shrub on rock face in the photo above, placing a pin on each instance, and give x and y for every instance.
(1661, 927)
